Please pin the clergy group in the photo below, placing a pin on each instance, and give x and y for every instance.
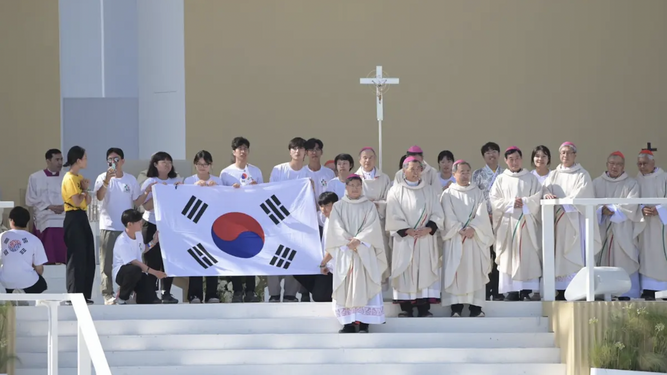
(450, 235)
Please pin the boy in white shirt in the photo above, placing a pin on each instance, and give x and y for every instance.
(129, 272)
(22, 256)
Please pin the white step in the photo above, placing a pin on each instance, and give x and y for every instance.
(334, 369)
(37, 344)
(287, 326)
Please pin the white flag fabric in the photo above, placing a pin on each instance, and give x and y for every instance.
(266, 229)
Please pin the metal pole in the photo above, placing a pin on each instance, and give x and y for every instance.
(590, 252)
(380, 146)
(52, 336)
(548, 257)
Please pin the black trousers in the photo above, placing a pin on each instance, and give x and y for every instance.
(494, 277)
(39, 287)
(196, 287)
(320, 286)
(153, 258)
(131, 279)
(250, 284)
(80, 253)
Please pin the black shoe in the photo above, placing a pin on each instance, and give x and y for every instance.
(363, 328)
(349, 328)
(512, 296)
(623, 298)
(167, 298)
(477, 314)
(238, 297)
(251, 297)
(89, 301)
(290, 299)
(499, 297)
(274, 299)
(305, 297)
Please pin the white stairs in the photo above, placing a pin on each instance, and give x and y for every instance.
(296, 339)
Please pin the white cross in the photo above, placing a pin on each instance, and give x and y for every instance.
(380, 87)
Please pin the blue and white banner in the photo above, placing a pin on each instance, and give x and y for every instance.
(266, 229)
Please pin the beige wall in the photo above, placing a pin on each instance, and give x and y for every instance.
(29, 90)
(517, 72)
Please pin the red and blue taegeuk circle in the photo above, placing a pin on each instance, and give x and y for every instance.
(238, 235)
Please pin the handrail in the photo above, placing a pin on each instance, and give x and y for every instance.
(548, 237)
(89, 345)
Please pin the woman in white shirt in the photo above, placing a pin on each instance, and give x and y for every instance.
(160, 170)
(344, 165)
(541, 160)
(203, 162)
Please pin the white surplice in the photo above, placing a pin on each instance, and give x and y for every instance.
(619, 232)
(44, 191)
(467, 261)
(430, 176)
(653, 240)
(518, 247)
(416, 263)
(570, 182)
(357, 275)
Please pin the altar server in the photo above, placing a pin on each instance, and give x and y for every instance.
(354, 239)
(515, 203)
(413, 217)
(620, 224)
(44, 196)
(429, 174)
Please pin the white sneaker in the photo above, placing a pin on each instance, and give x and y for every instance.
(213, 300)
(110, 300)
(119, 302)
(195, 300)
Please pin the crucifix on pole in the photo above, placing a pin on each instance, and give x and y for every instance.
(649, 148)
(381, 86)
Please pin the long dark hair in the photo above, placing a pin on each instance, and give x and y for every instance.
(73, 155)
(159, 156)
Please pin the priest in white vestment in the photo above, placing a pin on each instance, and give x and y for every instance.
(652, 249)
(430, 175)
(413, 217)
(354, 239)
(44, 196)
(569, 180)
(376, 187)
(467, 237)
(620, 224)
(515, 203)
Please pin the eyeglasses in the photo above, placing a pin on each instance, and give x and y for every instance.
(113, 160)
(203, 165)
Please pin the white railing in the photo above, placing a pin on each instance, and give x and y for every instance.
(548, 237)
(89, 346)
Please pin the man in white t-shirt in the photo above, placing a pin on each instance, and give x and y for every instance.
(240, 174)
(22, 256)
(292, 170)
(116, 192)
(129, 272)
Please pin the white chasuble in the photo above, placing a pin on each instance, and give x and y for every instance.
(620, 231)
(357, 275)
(518, 245)
(466, 261)
(652, 248)
(569, 221)
(416, 262)
(44, 190)
(430, 175)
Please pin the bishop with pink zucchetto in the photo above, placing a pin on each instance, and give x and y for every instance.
(429, 174)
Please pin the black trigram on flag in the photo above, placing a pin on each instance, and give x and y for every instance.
(202, 256)
(194, 209)
(276, 211)
(283, 257)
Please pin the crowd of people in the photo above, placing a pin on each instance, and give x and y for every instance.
(446, 235)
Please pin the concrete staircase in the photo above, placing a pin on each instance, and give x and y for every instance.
(296, 339)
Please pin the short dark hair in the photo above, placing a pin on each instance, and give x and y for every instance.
(542, 148)
(351, 178)
(130, 216)
(240, 141)
(159, 156)
(297, 142)
(74, 154)
(314, 142)
(446, 154)
(20, 216)
(203, 154)
(347, 157)
(513, 151)
(51, 153)
(326, 198)
(400, 163)
(116, 150)
(490, 146)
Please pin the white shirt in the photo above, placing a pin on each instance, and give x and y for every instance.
(125, 250)
(235, 175)
(44, 191)
(120, 196)
(283, 172)
(541, 179)
(194, 179)
(149, 216)
(20, 251)
(444, 182)
(330, 264)
(321, 179)
(337, 186)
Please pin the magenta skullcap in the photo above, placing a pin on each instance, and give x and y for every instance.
(459, 161)
(512, 148)
(415, 150)
(570, 145)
